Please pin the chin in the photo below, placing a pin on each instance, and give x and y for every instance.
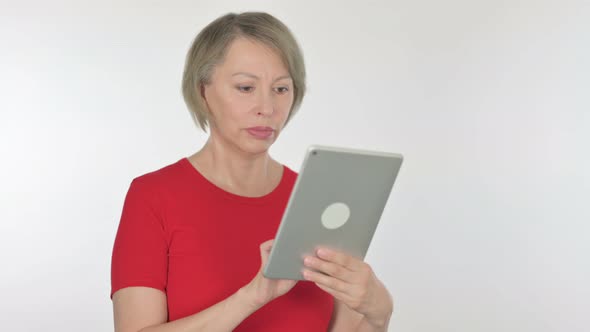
(253, 146)
(256, 148)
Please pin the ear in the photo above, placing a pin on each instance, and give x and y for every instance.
(202, 91)
(202, 88)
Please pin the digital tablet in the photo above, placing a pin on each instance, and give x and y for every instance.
(336, 202)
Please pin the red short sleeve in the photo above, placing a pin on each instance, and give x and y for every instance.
(140, 252)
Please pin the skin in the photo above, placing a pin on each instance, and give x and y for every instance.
(250, 88)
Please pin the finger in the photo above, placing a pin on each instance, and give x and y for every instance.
(267, 245)
(326, 280)
(265, 249)
(338, 257)
(329, 268)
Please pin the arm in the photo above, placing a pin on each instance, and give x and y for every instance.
(144, 309)
(346, 319)
(362, 303)
(365, 326)
(343, 318)
(378, 320)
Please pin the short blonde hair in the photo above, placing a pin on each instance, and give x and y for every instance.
(211, 44)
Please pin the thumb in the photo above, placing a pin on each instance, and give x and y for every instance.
(265, 249)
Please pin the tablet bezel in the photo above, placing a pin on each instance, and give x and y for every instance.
(275, 267)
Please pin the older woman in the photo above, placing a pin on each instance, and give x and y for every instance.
(194, 235)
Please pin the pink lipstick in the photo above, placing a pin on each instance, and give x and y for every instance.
(261, 132)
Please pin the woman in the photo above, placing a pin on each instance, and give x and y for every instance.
(194, 235)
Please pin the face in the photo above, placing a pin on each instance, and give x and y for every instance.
(248, 97)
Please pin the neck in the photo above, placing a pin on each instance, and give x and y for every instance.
(236, 171)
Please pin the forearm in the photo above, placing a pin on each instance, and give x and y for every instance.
(365, 326)
(377, 320)
(221, 317)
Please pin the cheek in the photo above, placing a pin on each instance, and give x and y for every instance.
(229, 105)
(238, 108)
(287, 101)
(285, 106)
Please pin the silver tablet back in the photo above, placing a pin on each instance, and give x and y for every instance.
(337, 202)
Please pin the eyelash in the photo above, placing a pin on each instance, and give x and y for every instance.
(242, 89)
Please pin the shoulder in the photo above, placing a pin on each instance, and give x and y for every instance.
(149, 192)
(289, 176)
(153, 186)
(159, 178)
(289, 173)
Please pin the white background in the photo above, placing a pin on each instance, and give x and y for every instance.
(488, 225)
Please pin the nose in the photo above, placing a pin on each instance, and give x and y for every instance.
(265, 104)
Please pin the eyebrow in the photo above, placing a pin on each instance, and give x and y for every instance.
(256, 77)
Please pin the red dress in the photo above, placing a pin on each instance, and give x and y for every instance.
(199, 244)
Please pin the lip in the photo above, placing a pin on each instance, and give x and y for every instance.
(261, 132)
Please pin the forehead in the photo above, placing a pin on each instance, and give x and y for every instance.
(244, 54)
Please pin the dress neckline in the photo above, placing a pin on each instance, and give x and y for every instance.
(215, 190)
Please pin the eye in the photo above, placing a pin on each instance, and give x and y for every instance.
(245, 88)
(282, 89)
